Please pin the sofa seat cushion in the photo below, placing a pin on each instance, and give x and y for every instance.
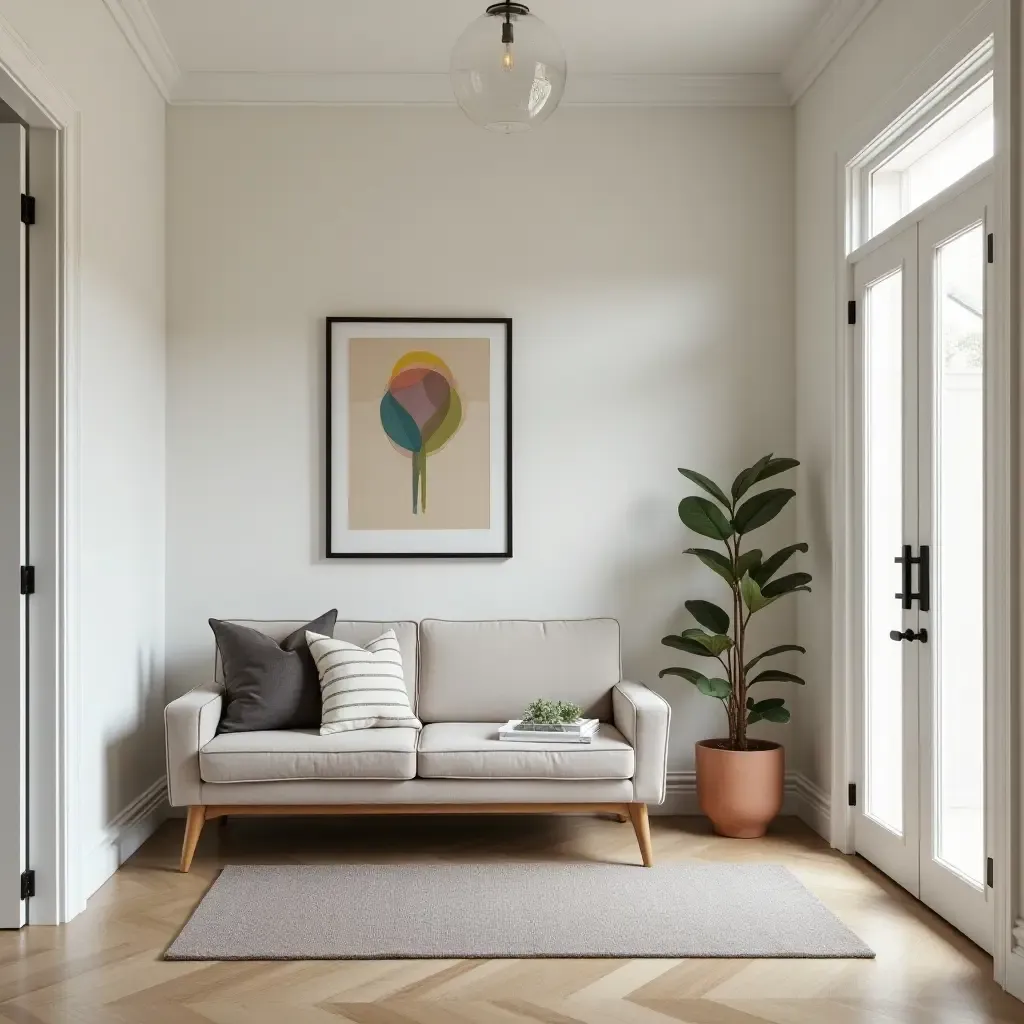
(472, 750)
(288, 755)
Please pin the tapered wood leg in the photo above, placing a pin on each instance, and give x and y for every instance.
(621, 817)
(642, 828)
(193, 828)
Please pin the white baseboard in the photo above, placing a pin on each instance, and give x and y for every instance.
(1015, 964)
(125, 834)
(810, 803)
(802, 798)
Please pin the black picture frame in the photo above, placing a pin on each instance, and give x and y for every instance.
(330, 553)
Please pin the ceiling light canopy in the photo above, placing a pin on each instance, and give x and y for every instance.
(508, 69)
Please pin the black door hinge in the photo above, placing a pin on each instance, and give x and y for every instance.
(28, 209)
(991, 247)
(851, 312)
(28, 579)
(990, 872)
(853, 794)
(28, 884)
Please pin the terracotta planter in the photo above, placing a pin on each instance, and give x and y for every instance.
(740, 790)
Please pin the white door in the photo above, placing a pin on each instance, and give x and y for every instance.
(920, 707)
(953, 268)
(887, 827)
(13, 525)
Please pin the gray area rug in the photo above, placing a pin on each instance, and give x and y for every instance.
(464, 911)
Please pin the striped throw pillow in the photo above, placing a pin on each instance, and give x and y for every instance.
(361, 689)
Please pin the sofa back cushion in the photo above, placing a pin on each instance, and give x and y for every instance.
(489, 671)
(354, 632)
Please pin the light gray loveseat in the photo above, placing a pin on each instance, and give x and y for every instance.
(465, 679)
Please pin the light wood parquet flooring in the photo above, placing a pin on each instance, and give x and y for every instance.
(105, 967)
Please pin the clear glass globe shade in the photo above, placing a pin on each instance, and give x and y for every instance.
(508, 88)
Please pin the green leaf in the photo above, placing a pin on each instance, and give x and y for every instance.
(715, 688)
(761, 508)
(752, 596)
(776, 466)
(685, 673)
(709, 485)
(687, 644)
(748, 562)
(771, 565)
(715, 643)
(715, 561)
(770, 710)
(777, 675)
(704, 517)
(787, 584)
(709, 615)
(748, 478)
(762, 706)
(781, 649)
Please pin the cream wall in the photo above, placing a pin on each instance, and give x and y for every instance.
(121, 426)
(894, 39)
(646, 256)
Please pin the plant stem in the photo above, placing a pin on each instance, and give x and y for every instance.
(735, 707)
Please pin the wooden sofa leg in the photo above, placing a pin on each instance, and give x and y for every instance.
(622, 818)
(642, 828)
(193, 829)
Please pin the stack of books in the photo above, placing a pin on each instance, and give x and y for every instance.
(580, 731)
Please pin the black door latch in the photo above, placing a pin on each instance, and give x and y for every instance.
(909, 634)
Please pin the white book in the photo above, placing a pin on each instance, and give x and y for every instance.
(580, 727)
(580, 731)
(541, 737)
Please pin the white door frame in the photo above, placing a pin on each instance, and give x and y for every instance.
(54, 699)
(993, 18)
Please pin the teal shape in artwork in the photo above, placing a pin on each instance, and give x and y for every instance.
(399, 425)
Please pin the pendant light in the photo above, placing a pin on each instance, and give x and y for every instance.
(508, 70)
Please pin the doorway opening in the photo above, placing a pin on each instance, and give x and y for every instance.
(924, 504)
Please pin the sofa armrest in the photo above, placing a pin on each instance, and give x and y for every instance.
(642, 716)
(190, 722)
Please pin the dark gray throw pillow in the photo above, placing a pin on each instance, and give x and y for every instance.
(269, 685)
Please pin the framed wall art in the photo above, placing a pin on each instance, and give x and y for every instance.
(419, 438)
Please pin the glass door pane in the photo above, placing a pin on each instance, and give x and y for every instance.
(883, 529)
(959, 633)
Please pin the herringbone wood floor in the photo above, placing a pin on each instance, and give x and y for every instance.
(106, 967)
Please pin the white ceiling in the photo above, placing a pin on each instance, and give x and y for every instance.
(600, 37)
(737, 52)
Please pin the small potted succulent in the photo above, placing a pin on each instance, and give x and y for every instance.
(739, 779)
(551, 716)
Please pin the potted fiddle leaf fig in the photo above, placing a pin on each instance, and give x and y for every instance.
(739, 779)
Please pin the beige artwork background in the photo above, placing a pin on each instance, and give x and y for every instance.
(380, 477)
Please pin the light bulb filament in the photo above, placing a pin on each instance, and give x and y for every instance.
(508, 37)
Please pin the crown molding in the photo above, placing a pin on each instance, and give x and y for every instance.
(841, 19)
(243, 87)
(140, 28)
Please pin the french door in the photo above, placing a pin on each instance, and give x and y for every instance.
(920, 692)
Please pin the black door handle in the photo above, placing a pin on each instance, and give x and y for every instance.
(908, 561)
(909, 634)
